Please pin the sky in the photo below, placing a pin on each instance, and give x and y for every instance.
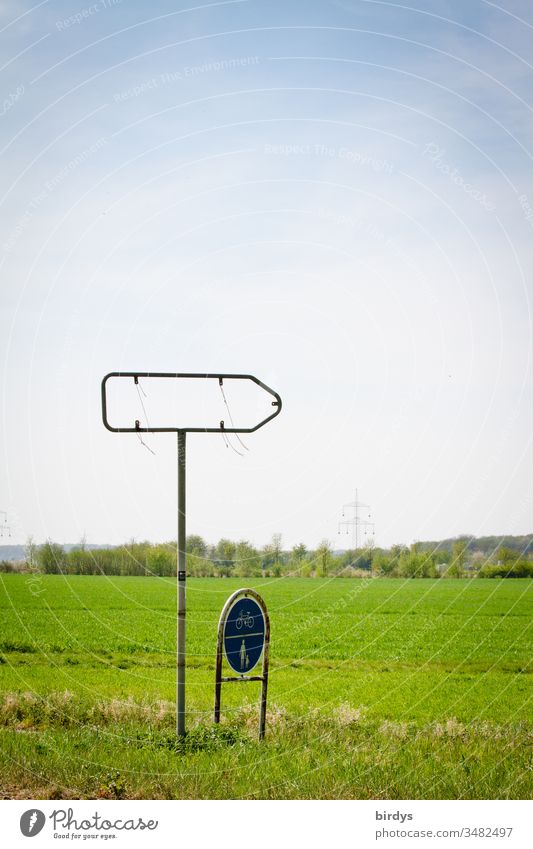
(336, 197)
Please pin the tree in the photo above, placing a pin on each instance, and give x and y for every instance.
(456, 568)
(197, 561)
(81, 562)
(276, 546)
(106, 561)
(305, 569)
(381, 563)
(348, 559)
(363, 558)
(134, 558)
(416, 563)
(323, 559)
(225, 555)
(272, 555)
(160, 561)
(194, 544)
(396, 553)
(353, 558)
(30, 551)
(277, 554)
(247, 560)
(297, 558)
(507, 556)
(51, 558)
(519, 569)
(299, 552)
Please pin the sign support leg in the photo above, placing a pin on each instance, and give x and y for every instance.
(218, 675)
(180, 681)
(264, 685)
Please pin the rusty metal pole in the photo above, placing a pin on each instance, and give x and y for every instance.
(182, 575)
(264, 685)
(218, 671)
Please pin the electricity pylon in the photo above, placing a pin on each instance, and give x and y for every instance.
(357, 515)
(4, 527)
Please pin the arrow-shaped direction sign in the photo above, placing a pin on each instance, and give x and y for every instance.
(130, 387)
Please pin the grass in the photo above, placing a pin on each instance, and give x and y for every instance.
(378, 689)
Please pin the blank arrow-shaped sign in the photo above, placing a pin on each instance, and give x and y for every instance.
(159, 402)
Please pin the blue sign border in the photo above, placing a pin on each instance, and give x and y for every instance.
(244, 634)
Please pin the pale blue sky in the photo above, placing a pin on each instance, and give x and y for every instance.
(334, 196)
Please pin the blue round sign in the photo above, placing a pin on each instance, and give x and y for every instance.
(244, 635)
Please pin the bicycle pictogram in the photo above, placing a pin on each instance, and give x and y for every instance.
(244, 620)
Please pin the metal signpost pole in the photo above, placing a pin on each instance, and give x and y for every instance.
(182, 575)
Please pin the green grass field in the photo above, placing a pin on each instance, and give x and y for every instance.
(378, 689)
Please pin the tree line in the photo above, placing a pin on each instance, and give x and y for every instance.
(241, 559)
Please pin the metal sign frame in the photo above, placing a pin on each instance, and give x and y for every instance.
(181, 552)
(220, 679)
(220, 377)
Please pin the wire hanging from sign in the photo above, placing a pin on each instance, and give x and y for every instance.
(139, 390)
(228, 444)
(220, 383)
